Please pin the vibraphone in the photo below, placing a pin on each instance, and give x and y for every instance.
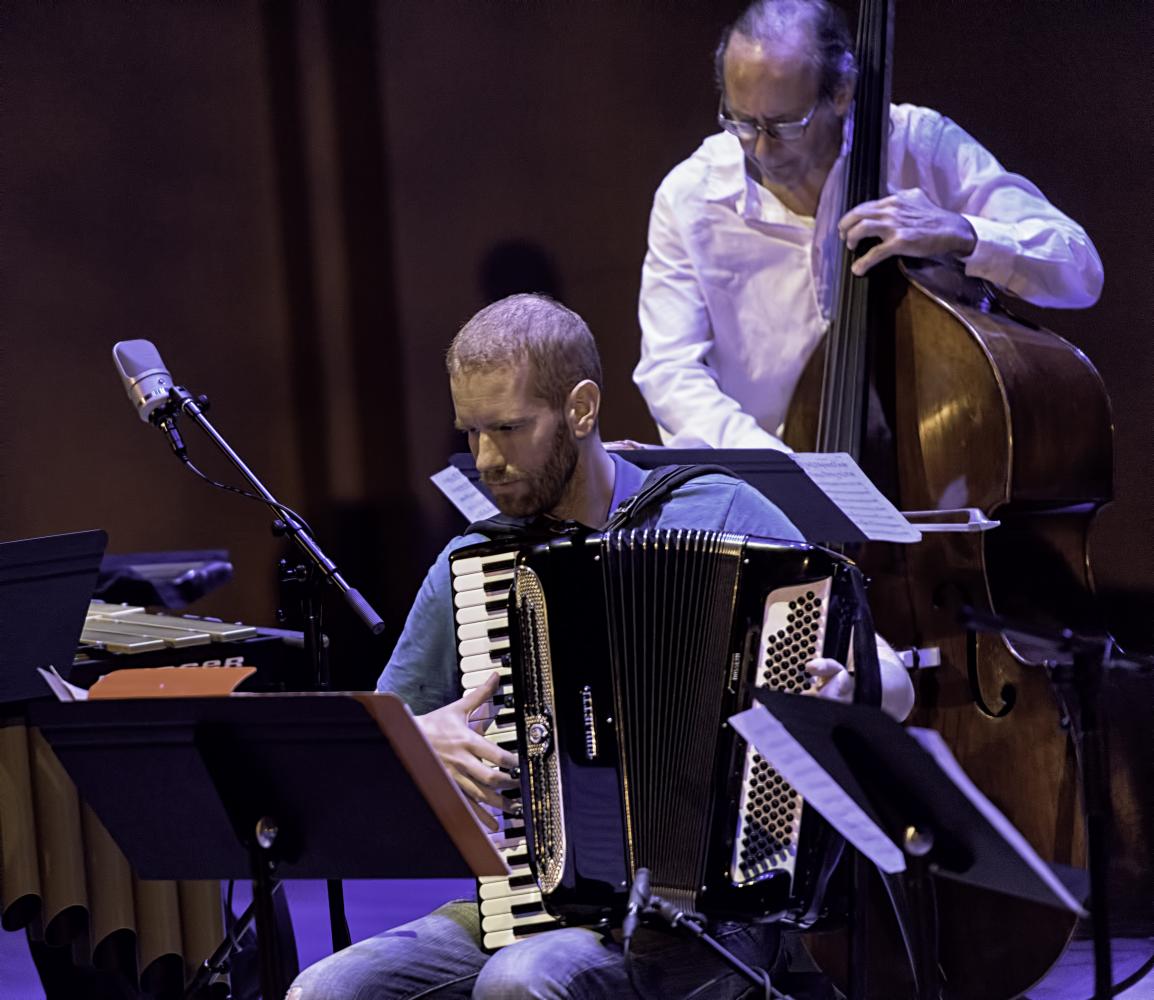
(116, 636)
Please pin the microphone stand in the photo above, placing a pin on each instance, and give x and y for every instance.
(307, 579)
(642, 902)
(1076, 665)
(319, 569)
(676, 918)
(193, 407)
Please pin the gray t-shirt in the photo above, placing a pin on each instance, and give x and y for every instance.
(423, 669)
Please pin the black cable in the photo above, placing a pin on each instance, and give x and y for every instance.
(630, 971)
(1133, 979)
(285, 512)
(695, 924)
(166, 420)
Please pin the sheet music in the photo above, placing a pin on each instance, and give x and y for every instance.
(758, 726)
(60, 687)
(463, 495)
(847, 486)
(931, 740)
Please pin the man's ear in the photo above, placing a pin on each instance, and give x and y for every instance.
(843, 96)
(582, 408)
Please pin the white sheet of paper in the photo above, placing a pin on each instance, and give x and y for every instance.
(60, 687)
(847, 486)
(931, 740)
(463, 495)
(758, 726)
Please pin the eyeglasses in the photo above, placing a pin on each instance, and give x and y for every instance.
(747, 131)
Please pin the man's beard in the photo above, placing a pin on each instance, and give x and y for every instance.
(541, 491)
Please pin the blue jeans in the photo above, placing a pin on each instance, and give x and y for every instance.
(439, 956)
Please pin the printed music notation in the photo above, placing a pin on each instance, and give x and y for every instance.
(840, 479)
(463, 495)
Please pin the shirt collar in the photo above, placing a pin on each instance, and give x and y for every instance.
(627, 480)
(727, 177)
(728, 180)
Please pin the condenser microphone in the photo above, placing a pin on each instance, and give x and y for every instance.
(145, 378)
(148, 385)
(159, 401)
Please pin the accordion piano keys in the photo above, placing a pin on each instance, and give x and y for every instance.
(511, 906)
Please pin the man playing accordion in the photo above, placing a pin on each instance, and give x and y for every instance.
(526, 387)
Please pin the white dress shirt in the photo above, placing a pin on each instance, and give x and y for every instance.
(736, 289)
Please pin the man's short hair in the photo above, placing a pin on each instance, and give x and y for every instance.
(534, 328)
(769, 20)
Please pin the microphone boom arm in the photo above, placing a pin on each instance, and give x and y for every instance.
(182, 400)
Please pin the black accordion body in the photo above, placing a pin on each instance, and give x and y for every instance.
(626, 653)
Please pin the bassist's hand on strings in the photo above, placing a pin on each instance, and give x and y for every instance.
(908, 224)
(472, 760)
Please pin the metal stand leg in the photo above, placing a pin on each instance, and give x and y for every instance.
(1091, 734)
(337, 919)
(857, 987)
(924, 910)
(272, 984)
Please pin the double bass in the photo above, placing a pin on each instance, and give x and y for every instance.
(949, 401)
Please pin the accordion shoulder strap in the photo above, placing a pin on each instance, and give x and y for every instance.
(656, 488)
(867, 680)
(512, 529)
(658, 485)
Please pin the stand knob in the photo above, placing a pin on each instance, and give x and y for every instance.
(266, 832)
(917, 843)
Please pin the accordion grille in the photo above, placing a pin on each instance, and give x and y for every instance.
(769, 814)
(539, 715)
(669, 604)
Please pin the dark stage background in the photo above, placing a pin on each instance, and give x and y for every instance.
(299, 204)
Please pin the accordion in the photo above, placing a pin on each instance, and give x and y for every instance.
(625, 654)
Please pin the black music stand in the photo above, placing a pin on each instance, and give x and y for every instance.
(45, 585)
(268, 786)
(926, 810)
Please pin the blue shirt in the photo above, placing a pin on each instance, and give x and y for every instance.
(423, 669)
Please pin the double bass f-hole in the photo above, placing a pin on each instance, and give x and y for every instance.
(950, 597)
(1008, 694)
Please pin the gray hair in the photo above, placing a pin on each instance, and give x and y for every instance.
(534, 328)
(770, 20)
